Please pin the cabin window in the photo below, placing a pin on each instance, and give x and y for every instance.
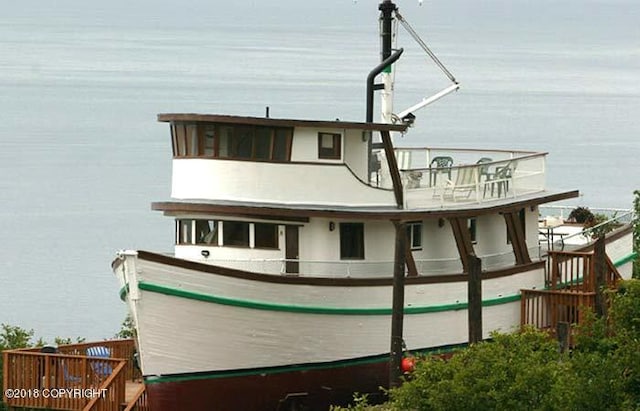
(193, 144)
(206, 232)
(471, 224)
(414, 234)
(242, 142)
(181, 140)
(329, 146)
(265, 235)
(235, 233)
(209, 138)
(281, 144)
(352, 241)
(245, 142)
(184, 231)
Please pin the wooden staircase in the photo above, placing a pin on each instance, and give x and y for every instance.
(575, 281)
(71, 380)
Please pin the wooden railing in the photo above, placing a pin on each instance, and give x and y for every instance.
(123, 349)
(577, 271)
(543, 309)
(55, 381)
(71, 380)
(111, 392)
(139, 401)
(572, 290)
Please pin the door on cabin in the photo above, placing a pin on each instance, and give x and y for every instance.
(291, 249)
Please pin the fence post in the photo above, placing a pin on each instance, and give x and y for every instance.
(397, 316)
(562, 333)
(474, 291)
(600, 266)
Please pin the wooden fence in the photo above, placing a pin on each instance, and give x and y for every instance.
(69, 379)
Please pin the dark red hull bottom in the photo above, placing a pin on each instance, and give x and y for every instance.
(313, 389)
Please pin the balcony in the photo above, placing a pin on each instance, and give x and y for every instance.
(435, 178)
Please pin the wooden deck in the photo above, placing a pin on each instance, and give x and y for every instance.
(71, 379)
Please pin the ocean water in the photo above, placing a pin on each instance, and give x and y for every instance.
(82, 155)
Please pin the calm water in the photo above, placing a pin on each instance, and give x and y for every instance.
(82, 156)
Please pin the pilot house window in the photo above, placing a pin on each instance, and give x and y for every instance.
(234, 141)
(329, 146)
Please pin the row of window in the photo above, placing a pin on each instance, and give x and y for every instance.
(227, 233)
(231, 141)
(244, 142)
(265, 235)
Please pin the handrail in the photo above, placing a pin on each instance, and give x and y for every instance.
(112, 392)
(139, 401)
(588, 230)
(575, 270)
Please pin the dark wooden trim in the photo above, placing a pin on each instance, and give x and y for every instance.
(337, 146)
(393, 167)
(253, 216)
(517, 236)
(411, 262)
(330, 282)
(463, 240)
(371, 213)
(474, 297)
(397, 304)
(265, 121)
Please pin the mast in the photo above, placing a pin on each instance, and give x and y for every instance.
(387, 8)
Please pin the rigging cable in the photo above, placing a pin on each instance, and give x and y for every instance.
(422, 44)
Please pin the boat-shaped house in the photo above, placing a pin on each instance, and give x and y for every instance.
(285, 242)
(289, 235)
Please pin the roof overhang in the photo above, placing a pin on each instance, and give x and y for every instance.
(301, 213)
(275, 122)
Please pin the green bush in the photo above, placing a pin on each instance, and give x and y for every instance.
(525, 370)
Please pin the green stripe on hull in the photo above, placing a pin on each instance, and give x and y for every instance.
(267, 306)
(626, 259)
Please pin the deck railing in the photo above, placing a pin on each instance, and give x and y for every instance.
(576, 271)
(543, 309)
(70, 379)
(363, 269)
(56, 381)
(139, 401)
(468, 175)
(572, 290)
(124, 349)
(112, 392)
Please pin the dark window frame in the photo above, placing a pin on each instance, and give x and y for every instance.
(242, 142)
(412, 237)
(352, 241)
(236, 238)
(269, 231)
(330, 153)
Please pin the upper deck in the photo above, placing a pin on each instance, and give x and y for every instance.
(334, 164)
